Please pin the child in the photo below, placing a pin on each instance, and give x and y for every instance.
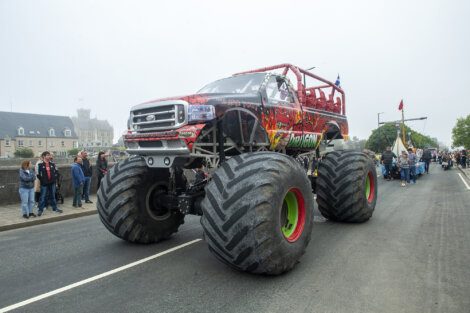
(412, 161)
(404, 165)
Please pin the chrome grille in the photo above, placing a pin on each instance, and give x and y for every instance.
(161, 115)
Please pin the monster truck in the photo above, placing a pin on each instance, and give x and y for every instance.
(257, 204)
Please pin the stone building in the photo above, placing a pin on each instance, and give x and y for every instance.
(37, 132)
(92, 132)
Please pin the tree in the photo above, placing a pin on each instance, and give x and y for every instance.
(73, 151)
(386, 134)
(24, 153)
(461, 133)
(381, 138)
(357, 144)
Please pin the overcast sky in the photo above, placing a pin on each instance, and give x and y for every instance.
(57, 56)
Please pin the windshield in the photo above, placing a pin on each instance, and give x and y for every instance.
(248, 83)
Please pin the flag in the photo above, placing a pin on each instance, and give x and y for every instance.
(337, 82)
(400, 107)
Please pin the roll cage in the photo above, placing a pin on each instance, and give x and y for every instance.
(320, 96)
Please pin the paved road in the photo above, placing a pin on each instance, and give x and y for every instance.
(412, 256)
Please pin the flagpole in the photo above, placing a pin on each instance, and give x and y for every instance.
(403, 126)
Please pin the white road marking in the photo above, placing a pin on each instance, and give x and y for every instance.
(466, 185)
(89, 280)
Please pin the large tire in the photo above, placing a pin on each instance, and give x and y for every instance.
(346, 187)
(258, 213)
(128, 202)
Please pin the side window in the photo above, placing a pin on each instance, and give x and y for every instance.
(278, 92)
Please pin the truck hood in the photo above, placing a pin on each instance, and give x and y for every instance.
(213, 98)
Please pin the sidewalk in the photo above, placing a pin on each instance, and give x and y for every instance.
(11, 217)
(465, 171)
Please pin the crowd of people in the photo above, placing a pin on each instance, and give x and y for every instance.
(460, 158)
(39, 186)
(405, 164)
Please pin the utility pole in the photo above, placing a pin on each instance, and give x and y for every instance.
(403, 126)
(405, 120)
(402, 122)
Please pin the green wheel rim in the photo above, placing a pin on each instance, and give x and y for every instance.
(291, 212)
(293, 215)
(367, 187)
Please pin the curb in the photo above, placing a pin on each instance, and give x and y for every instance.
(47, 220)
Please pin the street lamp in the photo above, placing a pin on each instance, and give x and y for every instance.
(378, 119)
(308, 69)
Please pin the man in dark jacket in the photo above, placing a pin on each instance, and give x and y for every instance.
(427, 156)
(463, 158)
(47, 174)
(387, 161)
(87, 171)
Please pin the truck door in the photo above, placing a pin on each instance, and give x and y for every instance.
(283, 113)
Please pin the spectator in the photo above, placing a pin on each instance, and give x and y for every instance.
(200, 175)
(412, 161)
(26, 190)
(305, 161)
(463, 158)
(37, 184)
(47, 174)
(101, 166)
(427, 159)
(78, 181)
(87, 171)
(387, 161)
(404, 165)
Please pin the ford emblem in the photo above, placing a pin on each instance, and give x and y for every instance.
(150, 118)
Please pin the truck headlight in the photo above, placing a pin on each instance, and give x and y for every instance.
(201, 112)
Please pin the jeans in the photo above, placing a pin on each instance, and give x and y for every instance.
(405, 174)
(412, 173)
(77, 195)
(100, 177)
(426, 165)
(27, 200)
(86, 189)
(47, 190)
(388, 168)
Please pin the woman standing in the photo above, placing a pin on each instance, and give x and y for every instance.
(101, 166)
(26, 190)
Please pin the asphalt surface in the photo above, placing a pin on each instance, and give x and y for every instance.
(412, 256)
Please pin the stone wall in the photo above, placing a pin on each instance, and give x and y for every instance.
(59, 161)
(9, 183)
